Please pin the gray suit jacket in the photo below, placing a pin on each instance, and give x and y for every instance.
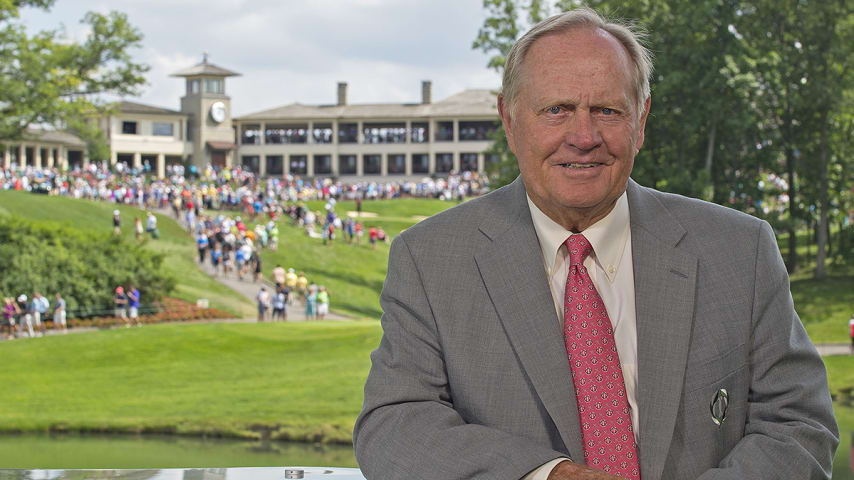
(471, 378)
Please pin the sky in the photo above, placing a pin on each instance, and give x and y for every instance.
(297, 50)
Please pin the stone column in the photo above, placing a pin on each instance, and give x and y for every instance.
(309, 165)
(456, 166)
(360, 160)
(481, 163)
(37, 155)
(456, 130)
(383, 164)
(309, 134)
(431, 163)
(137, 160)
(263, 137)
(62, 158)
(408, 162)
(161, 165)
(333, 157)
(114, 157)
(22, 155)
(262, 165)
(7, 157)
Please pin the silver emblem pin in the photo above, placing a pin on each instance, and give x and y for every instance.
(718, 407)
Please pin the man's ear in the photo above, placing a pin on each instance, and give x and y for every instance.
(642, 124)
(504, 112)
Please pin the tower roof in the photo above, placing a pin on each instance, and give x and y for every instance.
(205, 68)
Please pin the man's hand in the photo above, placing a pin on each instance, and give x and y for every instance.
(574, 471)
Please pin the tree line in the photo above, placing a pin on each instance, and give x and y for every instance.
(741, 89)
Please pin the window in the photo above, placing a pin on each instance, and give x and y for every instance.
(420, 132)
(468, 162)
(194, 86)
(251, 135)
(444, 131)
(162, 129)
(322, 164)
(444, 162)
(372, 164)
(129, 128)
(275, 165)
(420, 163)
(347, 164)
(474, 131)
(286, 133)
(397, 163)
(490, 159)
(348, 133)
(298, 164)
(322, 133)
(214, 85)
(126, 158)
(384, 132)
(251, 163)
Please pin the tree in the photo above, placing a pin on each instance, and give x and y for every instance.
(801, 53)
(47, 80)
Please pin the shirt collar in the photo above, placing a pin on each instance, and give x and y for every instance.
(608, 236)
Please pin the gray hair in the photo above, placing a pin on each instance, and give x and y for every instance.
(626, 33)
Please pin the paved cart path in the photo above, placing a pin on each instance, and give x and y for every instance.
(250, 289)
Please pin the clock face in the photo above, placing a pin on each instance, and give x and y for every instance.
(218, 112)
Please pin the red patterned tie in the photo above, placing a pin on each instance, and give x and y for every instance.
(603, 408)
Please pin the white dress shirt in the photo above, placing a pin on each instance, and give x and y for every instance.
(610, 268)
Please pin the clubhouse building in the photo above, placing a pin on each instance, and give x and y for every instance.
(352, 142)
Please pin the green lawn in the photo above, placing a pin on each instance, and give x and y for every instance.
(174, 242)
(300, 381)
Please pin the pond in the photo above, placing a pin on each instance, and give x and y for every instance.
(162, 451)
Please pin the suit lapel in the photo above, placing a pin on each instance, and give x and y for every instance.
(511, 266)
(665, 279)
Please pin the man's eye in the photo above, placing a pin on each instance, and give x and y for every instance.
(608, 111)
(554, 110)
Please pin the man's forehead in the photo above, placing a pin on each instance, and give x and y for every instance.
(578, 40)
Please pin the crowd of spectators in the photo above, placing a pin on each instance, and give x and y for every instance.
(215, 189)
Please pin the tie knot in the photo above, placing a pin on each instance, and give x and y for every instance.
(579, 248)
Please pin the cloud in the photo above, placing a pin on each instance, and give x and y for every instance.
(296, 51)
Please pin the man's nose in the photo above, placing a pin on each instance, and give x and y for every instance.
(583, 131)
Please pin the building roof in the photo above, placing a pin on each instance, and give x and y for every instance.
(133, 107)
(205, 68)
(53, 136)
(481, 102)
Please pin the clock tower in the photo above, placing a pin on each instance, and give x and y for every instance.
(209, 126)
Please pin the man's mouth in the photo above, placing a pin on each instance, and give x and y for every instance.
(579, 165)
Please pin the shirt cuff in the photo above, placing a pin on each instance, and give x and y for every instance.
(542, 472)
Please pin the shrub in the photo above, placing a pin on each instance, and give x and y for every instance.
(85, 267)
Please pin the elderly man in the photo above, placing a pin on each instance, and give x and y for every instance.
(576, 325)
